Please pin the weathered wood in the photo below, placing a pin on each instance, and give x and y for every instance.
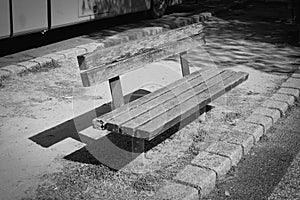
(116, 92)
(158, 119)
(157, 126)
(102, 73)
(102, 56)
(185, 69)
(159, 96)
(173, 106)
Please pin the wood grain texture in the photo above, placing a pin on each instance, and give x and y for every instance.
(102, 73)
(135, 108)
(147, 122)
(116, 92)
(104, 56)
(185, 69)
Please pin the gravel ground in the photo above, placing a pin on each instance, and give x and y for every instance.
(244, 41)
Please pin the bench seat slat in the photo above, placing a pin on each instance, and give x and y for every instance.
(190, 96)
(159, 125)
(174, 91)
(184, 106)
(102, 73)
(119, 114)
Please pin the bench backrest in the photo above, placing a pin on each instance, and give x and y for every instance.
(106, 63)
(110, 63)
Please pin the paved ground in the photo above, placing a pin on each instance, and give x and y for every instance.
(271, 168)
(40, 159)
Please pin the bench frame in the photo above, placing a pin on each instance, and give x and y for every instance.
(179, 41)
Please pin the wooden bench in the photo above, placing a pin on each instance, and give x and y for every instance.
(156, 112)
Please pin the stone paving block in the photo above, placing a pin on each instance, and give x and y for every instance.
(29, 65)
(273, 113)
(232, 151)
(195, 18)
(201, 178)
(14, 69)
(292, 83)
(90, 47)
(219, 164)
(80, 51)
(264, 121)
(289, 91)
(176, 191)
(69, 53)
(4, 74)
(281, 106)
(283, 98)
(206, 15)
(54, 56)
(244, 139)
(153, 30)
(42, 62)
(296, 74)
(253, 129)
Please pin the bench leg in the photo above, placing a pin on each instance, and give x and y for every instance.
(184, 64)
(116, 92)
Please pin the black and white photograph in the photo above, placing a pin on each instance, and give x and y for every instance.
(149, 99)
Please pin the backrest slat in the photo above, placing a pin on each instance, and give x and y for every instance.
(104, 61)
(102, 73)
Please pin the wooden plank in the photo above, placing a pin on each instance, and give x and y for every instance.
(174, 106)
(135, 108)
(161, 122)
(102, 73)
(204, 73)
(157, 126)
(116, 92)
(102, 56)
(185, 69)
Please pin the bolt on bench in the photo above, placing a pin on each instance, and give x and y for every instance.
(156, 112)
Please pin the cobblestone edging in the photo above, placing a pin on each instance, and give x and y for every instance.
(52, 60)
(209, 166)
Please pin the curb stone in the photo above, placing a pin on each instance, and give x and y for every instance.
(246, 133)
(201, 178)
(246, 141)
(125, 36)
(289, 91)
(268, 112)
(219, 164)
(278, 105)
(255, 130)
(232, 151)
(283, 98)
(264, 121)
(177, 191)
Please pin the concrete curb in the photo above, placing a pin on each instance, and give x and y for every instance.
(53, 59)
(211, 165)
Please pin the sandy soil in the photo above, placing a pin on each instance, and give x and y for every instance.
(38, 163)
